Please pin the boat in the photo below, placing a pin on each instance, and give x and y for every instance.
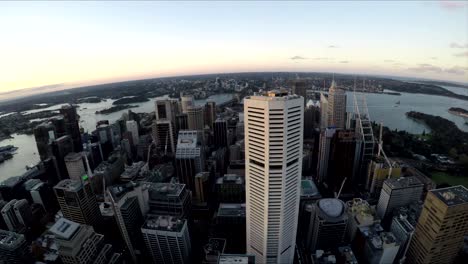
(397, 103)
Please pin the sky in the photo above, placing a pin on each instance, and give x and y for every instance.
(65, 44)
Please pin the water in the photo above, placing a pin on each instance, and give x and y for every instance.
(457, 90)
(381, 109)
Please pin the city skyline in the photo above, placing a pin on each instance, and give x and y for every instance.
(65, 44)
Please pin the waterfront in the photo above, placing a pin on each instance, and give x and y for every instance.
(382, 108)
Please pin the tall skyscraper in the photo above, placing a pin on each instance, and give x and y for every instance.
(210, 113)
(336, 106)
(441, 227)
(397, 193)
(72, 128)
(299, 87)
(16, 215)
(132, 126)
(166, 109)
(220, 132)
(323, 111)
(79, 244)
(60, 148)
(75, 166)
(326, 137)
(169, 199)
(78, 202)
(186, 101)
(164, 133)
(195, 118)
(44, 135)
(181, 122)
(167, 239)
(14, 248)
(273, 143)
(189, 158)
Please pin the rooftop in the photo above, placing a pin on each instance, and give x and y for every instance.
(164, 223)
(69, 185)
(308, 188)
(236, 259)
(230, 178)
(166, 189)
(451, 196)
(274, 95)
(230, 209)
(332, 207)
(64, 228)
(73, 156)
(187, 139)
(403, 182)
(118, 191)
(10, 239)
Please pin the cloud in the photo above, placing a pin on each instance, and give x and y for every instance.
(424, 67)
(451, 4)
(389, 61)
(322, 58)
(298, 58)
(463, 54)
(344, 61)
(455, 45)
(433, 58)
(457, 70)
(332, 46)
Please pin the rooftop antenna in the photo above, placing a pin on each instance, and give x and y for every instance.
(341, 188)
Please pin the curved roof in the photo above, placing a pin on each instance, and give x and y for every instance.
(332, 207)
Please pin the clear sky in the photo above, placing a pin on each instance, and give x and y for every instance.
(74, 43)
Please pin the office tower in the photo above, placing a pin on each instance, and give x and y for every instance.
(109, 170)
(336, 106)
(230, 189)
(210, 113)
(130, 205)
(195, 119)
(202, 185)
(213, 249)
(186, 101)
(329, 223)
(60, 148)
(166, 109)
(234, 152)
(441, 227)
(79, 244)
(23, 213)
(75, 166)
(41, 193)
(131, 172)
(326, 137)
(78, 202)
(360, 214)
(72, 127)
(164, 134)
(132, 127)
(403, 231)
(189, 158)
(142, 147)
(14, 248)
(236, 258)
(273, 143)
(381, 248)
(379, 171)
(44, 134)
(10, 217)
(397, 193)
(299, 87)
(169, 199)
(181, 122)
(104, 134)
(167, 239)
(323, 111)
(220, 132)
(311, 121)
(230, 223)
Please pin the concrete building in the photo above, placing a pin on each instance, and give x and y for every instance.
(78, 202)
(60, 148)
(202, 187)
(195, 118)
(75, 166)
(381, 248)
(397, 193)
(164, 133)
(17, 215)
(14, 248)
(44, 134)
(273, 140)
(166, 109)
(187, 101)
(326, 137)
(169, 199)
(236, 259)
(336, 107)
(230, 189)
(403, 231)
(323, 111)
(71, 121)
(132, 127)
(360, 214)
(220, 133)
(189, 158)
(299, 87)
(379, 171)
(441, 227)
(167, 239)
(132, 172)
(210, 113)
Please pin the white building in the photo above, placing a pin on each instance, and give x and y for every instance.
(336, 106)
(323, 111)
(132, 126)
(167, 239)
(75, 166)
(273, 144)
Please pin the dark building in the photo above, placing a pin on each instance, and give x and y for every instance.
(44, 134)
(220, 132)
(311, 121)
(210, 113)
(181, 122)
(72, 127)
(14, 248)
(299, 87)
(169, 199)
(230, 222)
(60, 148)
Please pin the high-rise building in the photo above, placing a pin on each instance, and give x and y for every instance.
(210, 113)
(186, 101)
(132, 127)
(167, 239)
(381, 248)
(236, 258)
(379, 171)
(16, 215)
(220, 132)
(181, 122)
(195, 118)
(360, 214)
(441, 227)
(230, 189)
(60, 148)
(273, 143)
(167, 109)
(230, 223)
(44, 134)
(75, 166)
(72, 128)
(330, 221)
(14, 248)
(169, 199)
(336, 106)
(189, 158)
(299, 87)
(79, 244)
(323, 111)
(164, 133)
(202, 185)
(397, 193)
(130, 205)
(78, 202)
(311, 121)
(326, 137)
(403, 231)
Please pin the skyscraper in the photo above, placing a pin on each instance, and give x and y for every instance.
(78, 202)
(189, 158)
(210, 113)
(166, 109)
(336, 106)
(441, 227)
(44, 134)
(195, 118)
(186, 101)
(164, 133)
(220, 132)
(14, 248)
(169, 199)
(299, 87)
(323, 111)
(273, 143)
(396, 193)
(167, 239)
(75, 166)
(72, 127)
(60, 148)
(132, 126)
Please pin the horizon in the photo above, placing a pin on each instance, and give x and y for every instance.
(89, 43)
